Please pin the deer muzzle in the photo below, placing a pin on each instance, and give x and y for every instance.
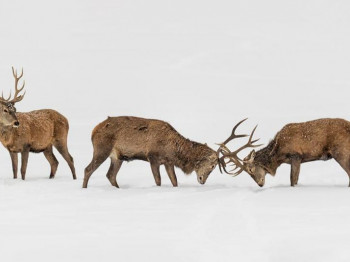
(201, 180)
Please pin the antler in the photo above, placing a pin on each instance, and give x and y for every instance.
(233, 156)
(16, 98)
(224, 150)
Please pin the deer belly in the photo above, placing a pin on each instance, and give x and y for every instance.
(38, 146)
(128, 155)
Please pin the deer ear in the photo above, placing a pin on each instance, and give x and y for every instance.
(212, 157)
(249, 158)
(252, 154)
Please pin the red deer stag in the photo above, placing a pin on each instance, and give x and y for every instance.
(35, 131)
(296, 143)
(128, 138)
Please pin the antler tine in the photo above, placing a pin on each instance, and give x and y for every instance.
(21, 74)
(237, 164)
(14, 72)
(3, 98)
(238, 172)
(17, 91)
(222, 164)
(233, 135)
(250, 143)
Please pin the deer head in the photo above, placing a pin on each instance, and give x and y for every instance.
(7, 108)
(205, 166)
(254, 169)
(247, 164)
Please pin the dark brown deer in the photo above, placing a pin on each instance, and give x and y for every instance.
(35, 131)
(296, 143)
(128, 138)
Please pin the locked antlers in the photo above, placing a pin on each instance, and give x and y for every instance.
(233, 156)
(16, 98)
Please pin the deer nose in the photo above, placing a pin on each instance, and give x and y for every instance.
(16, 123)
(201, 180)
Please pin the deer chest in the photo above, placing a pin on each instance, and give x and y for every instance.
(14, 148)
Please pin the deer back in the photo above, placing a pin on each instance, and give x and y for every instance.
(313, 137)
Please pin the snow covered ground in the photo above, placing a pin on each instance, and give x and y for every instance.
(202, 66)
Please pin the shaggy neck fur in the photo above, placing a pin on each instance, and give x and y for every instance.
(266, 158)
(189, 154)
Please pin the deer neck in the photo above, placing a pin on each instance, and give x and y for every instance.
(267, 158)
(189, 153)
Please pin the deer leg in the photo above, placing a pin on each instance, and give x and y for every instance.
(113, 171)
(295, 170)
(14, 160)
(52, 160)
(63, 150)
(171, 173)
(345, 164)
(24, 156)
(96, 161)
(155, 171)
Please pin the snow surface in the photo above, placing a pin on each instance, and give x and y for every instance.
(202, 66)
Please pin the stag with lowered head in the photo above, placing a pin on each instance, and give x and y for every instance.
(294, 144)
(128, 138)
(35, 131)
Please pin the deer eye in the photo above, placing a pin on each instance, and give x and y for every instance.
(6, 111)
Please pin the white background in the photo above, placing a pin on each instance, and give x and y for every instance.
(202, 66)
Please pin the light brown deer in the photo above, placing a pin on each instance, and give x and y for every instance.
(296, 143)
(35, 131)
(127, 138)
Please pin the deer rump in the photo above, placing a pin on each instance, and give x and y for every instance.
(321, 139)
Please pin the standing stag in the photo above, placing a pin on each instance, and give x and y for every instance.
(296, 143)
(35, 131)
(129, 138)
